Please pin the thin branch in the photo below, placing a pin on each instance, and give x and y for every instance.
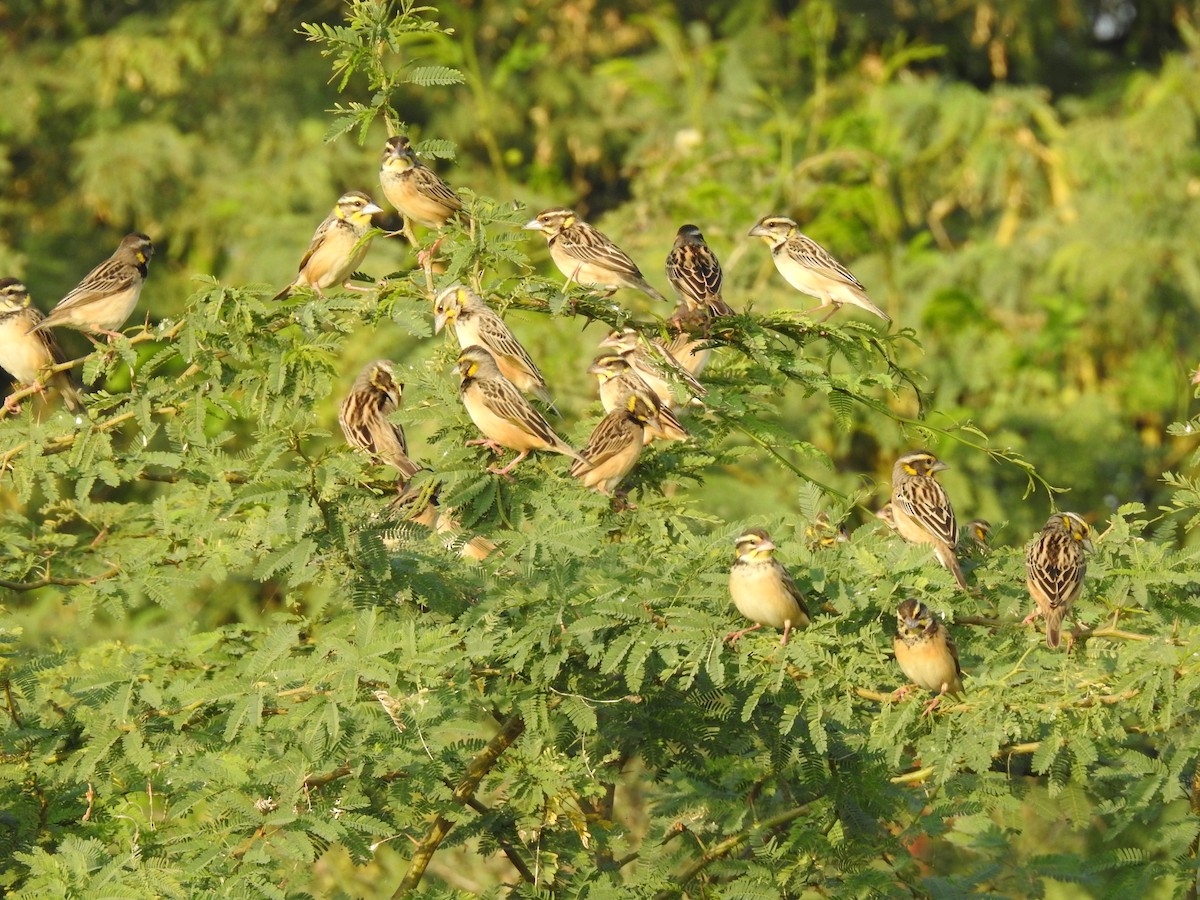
(476, 769)
(727, 846)
(505, 845)
(22, 586)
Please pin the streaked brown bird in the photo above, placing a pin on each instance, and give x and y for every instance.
(806, 266)
(413, 188)
(762, 589)
(586, 256)
(338, 246)
(615, 445)
(926, 653)
(25, 353)
(107, 296)
(1056, 566)
(365, 417)
(475, 324)
(501, 413)
(695, 273)
(921, 509)
(654, 364)
(618, 382)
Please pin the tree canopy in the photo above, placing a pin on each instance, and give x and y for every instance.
(233, 666)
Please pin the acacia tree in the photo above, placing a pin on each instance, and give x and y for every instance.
(567, 706)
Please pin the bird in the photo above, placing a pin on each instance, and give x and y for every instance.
(499, 410)
(762, 589)
(1056, 565)
(618, 382)
(615, 445)
(365, 417)
(806, 266)
(586, 256)
(26, 353)
(695, 273)
(475, 324)
(420, 504)
(653, 363)
(822, 534)
(338, 246)
(105, 298)
(979, 534)
(413, 188)
(926, 653)
(921, 510)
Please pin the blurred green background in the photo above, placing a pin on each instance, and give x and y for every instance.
(1018, 182)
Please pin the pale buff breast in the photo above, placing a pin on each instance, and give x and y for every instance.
(584, 273)
(927, 664)
(22, 355)
(332, 262)
(606, 476)
(760, 596)
(498, 428)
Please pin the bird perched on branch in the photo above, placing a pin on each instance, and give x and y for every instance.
(762, 589)
(338, 247)
(413, 188)
(26, 353)
(108, 294)
(365, 417)
(653, 363)
(1056, 566)
(618, 382)
(476, 324)
(615, 445)
(926, 653)
(921, 510)
(806, 266)
(586, 256)
(498, 409)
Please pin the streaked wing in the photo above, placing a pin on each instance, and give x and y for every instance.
(813, 256)
(789, 585)
(505, 401)
(662, 361)
(925, 501)
(614, 434)
(317, 239)
(110, 277)
(503, 342)
(588, 245)
(429, 184)
(1056, 567)
(694, 272)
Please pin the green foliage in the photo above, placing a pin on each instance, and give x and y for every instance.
(232, 667)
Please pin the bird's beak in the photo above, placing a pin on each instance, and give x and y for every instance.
(370, 209)
(758, 231)
(938, 466)
(766, 545)
(533, 225)
(1087, 545)
(610, 340)
(439, 322)
(595, 369)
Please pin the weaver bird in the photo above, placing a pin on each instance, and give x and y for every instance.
(25, 353)
(926, 652)
(762, 589)
(475, 324)
(653, 363)
(365, 417)
(338, 247)
(806, 266)
(615, 445)
(618, 382)
(695, 273)
(499, 410)
(921, 510)
(586, 256)
(106, 297)
(1056, 566)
